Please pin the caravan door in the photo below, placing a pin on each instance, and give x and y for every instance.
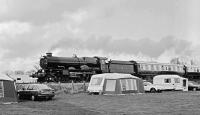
(185, 84)
(180, 84)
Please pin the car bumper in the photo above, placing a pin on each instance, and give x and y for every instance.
(190, 88)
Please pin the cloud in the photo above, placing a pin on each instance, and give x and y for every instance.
(145, 46)
(13, 28)
(38, 12)
(29, 29)
(18, 39)
(25, 41)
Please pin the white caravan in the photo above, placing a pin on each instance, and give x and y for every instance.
(171, 82)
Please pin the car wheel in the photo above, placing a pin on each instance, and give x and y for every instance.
(153, 90)
(47, 98)
(33, 98)
(194, 89)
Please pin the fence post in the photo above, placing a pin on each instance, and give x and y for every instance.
(72, 85)
(60, 85)
(84, 87)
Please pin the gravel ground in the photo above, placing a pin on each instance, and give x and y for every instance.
(166, 103)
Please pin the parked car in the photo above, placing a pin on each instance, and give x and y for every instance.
(35, 91)
(149, 87)
(192, 85)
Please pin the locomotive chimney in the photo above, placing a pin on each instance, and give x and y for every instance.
(49, 54)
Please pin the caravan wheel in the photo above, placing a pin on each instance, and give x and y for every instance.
(153, 90)
(194, 89)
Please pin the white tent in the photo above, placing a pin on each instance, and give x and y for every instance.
(115, 83)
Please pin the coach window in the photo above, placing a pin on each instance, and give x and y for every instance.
(162, 68)
(191, 69)
(1, 89)
(157, 68)
(146, 67)
(174, 68)
(168, 80)
(178, 69)
(169, 68)
(166, 68)
(152, 67)
(141, 67)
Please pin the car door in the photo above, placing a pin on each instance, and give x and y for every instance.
(30, 91)
(147, 86)
(23, 91)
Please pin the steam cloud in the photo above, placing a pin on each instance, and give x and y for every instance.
(145, 46)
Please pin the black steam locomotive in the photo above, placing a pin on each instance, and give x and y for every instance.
(75, 68)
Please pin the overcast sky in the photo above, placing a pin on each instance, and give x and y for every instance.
(117, 29)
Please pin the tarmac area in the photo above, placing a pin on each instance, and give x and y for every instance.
(166, 103)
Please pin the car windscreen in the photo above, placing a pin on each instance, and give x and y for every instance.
(194, 83)
(42, 86)
(147, 83)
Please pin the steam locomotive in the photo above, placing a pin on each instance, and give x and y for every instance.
(66, 69)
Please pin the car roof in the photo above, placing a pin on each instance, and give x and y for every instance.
(20, 86)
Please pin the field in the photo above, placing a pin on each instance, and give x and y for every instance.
(166, 103)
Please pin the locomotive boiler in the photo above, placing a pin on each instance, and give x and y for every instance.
(68, 68)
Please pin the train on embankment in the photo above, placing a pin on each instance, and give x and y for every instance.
(66, 69)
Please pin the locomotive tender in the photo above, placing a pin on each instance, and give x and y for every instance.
(65, 69)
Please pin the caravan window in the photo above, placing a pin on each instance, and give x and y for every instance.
(157, 68)
(168, 80)
(96, 81)
(1, 89)
(177, 80)
(128, 84)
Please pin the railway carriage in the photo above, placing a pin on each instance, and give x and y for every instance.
(147, 70)
(193, 72)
